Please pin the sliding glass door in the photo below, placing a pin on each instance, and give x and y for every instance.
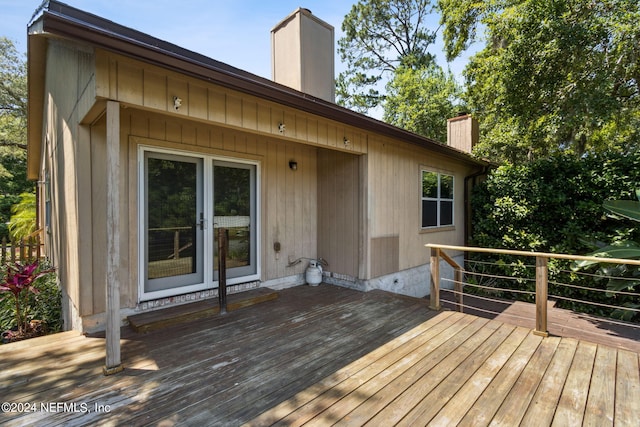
(234, 198)
(174, 222)
(185, 200)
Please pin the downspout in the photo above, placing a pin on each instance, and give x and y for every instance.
(467, 201)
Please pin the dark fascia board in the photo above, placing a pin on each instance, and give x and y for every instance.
(65, 21)
(35, 83)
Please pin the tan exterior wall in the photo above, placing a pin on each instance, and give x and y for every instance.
(393, 183)
(288, 199)
(339, 215)
(65, 160)
(356, 204)
(138, 84)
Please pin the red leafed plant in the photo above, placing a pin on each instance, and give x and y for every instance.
(19, 280)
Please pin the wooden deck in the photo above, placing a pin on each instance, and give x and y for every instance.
(321, 356)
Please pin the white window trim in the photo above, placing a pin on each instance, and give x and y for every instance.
(437, 199)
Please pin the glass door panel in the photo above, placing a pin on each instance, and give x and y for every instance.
(234, 202)
(174, 221)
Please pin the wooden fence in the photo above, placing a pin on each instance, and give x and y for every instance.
(27, 250)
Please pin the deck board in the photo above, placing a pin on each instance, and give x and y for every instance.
(627, 389)
(454, 410)
(386, 360)
(394, 379)
(492, 397)
(573, 401)
(444, 392)
(386, 405)
(544, 402)
(600, 402)
(327, 355)
(516, 403)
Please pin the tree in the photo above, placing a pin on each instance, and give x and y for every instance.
(556, 205)
(13, 96)
(553, 76)
(13, 131)
(386, 49)
(421, 100)
(23, 220)
(380, 36)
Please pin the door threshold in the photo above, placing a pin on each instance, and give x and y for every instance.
(165, 317)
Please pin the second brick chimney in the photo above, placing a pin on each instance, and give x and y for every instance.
(463, 132)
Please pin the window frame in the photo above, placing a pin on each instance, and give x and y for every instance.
(208, 160)
(439, 199)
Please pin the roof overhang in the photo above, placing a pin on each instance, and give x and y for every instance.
(36, 67)
(60, 20)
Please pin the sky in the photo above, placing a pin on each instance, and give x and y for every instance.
(236, 32)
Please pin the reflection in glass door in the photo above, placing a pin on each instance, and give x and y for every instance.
(174, 221)
(234, 198)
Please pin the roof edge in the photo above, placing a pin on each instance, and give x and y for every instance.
(66, 21)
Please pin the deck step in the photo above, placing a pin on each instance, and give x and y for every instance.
(158, 319)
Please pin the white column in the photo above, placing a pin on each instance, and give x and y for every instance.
(113, 364)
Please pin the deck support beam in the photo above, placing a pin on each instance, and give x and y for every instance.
(113, 363)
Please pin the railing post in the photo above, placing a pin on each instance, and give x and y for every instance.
(434, 297)
(457, 287)
(176, 244)
(223, 238)
(542, 282)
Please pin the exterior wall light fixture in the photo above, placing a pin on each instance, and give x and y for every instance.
(177, 103)
(293, 165)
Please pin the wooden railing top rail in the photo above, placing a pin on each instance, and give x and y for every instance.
(533, 254)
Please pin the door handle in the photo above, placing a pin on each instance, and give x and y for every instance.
(202, 223)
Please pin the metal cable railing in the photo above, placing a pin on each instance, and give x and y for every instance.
(520, 276)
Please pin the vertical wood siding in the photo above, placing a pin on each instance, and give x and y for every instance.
(153, 88)
(288, 199)
(65, 155)
(339, 211)
(339, 203)
(394, 193)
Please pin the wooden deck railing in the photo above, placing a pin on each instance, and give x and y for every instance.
(29, 249)
(438, 253)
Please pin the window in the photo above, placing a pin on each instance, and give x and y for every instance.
(437, 199)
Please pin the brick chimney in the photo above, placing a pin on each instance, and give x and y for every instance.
(463, 132)
(302, 54)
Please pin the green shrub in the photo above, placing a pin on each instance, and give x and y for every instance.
(555, 205)
(45, 305)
